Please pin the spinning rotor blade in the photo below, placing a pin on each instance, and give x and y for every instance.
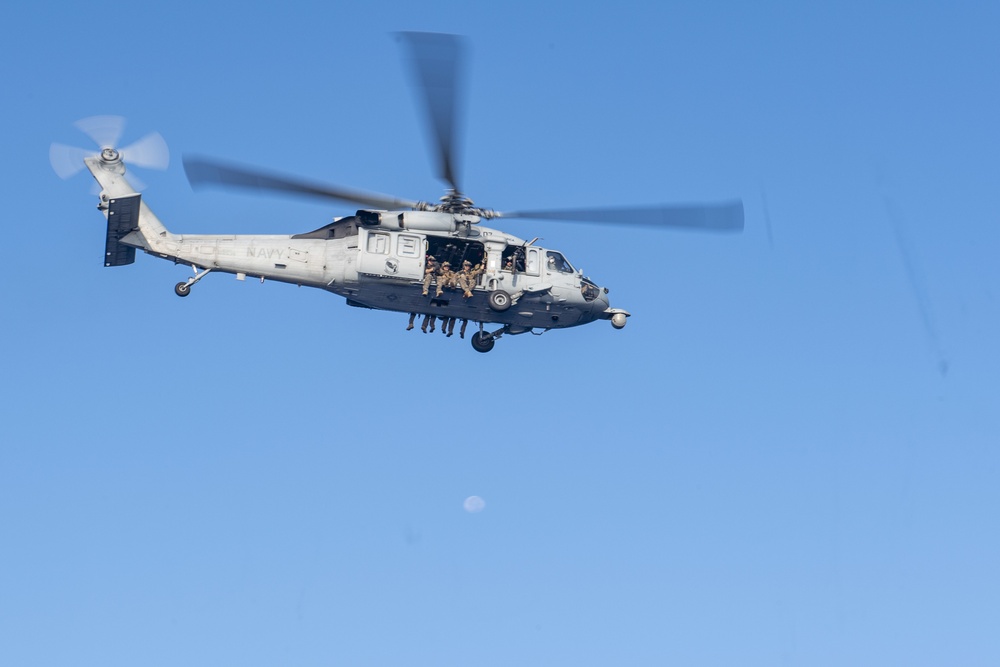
(106, 131)
(722, 217)
(151, 152)
(67, 161)
(438, 61)
(201, 172)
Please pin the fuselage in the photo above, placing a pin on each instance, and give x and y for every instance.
(385, 269)
(383, 266)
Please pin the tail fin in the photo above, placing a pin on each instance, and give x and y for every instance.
(130, 222)
(123, 219)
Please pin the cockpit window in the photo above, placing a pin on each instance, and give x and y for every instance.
(554, 261)
(589, 289)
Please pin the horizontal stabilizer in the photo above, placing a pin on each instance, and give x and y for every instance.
(123, 218)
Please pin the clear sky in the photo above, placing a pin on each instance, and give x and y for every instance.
(788, 457)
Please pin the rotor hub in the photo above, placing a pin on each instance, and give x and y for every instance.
(456, 202)
(110, 155)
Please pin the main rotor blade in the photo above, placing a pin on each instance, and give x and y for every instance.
(201, 172)
(438, 63)
(721, 217)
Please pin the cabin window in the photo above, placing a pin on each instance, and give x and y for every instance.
(378, 243)
(531, 267)
(556, 263)
(512, 259)
(518, 259)
(408, 246)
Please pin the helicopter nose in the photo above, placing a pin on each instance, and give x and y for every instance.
(617, 316)
(600, 305)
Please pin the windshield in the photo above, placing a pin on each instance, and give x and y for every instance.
(554, 261)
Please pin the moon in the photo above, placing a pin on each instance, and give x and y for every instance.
(474, 504)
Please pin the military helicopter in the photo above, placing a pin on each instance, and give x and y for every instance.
(390, 254)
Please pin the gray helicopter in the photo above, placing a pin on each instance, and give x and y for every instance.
(434, 261)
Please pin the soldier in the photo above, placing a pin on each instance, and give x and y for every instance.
(461, 332)
(467, 278)
(445, 279)
(413, 316)
(430, 272)
(428, 319)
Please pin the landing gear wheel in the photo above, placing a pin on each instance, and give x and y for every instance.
(182, 289)
(482, 341)
(499, 300)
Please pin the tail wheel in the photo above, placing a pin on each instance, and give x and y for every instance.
(482, 341)
(499, 300)
(182, 289)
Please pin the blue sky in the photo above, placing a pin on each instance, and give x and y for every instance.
(788, 456)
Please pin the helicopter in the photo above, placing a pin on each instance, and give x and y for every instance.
(392, 254)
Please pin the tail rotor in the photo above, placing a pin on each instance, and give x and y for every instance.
(149, 152)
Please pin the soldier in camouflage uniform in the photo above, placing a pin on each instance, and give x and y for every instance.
(430, 272)
(467, 278)
(445, 279)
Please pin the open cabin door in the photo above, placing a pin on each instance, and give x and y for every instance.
(391, 254)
